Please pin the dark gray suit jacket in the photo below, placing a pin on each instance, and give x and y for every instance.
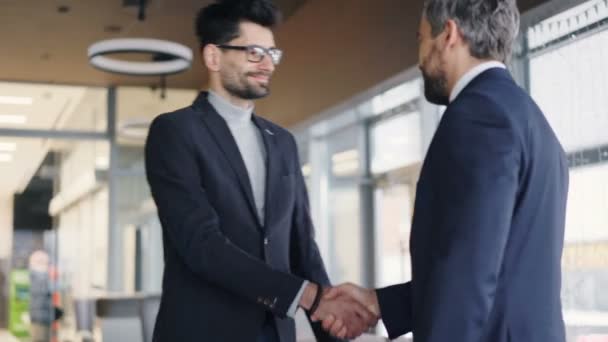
(224, 270)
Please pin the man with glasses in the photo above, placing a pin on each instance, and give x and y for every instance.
(240, 255)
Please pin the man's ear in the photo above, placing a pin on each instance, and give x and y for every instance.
(211, 57)
(451, 34)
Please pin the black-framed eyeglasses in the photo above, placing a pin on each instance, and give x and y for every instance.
(256, 53)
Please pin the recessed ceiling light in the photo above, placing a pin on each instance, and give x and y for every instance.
(5, 157)
(16, 100)
(8, 147)
(13, 119)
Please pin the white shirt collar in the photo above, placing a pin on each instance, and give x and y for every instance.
(471, 74)
(227, 110)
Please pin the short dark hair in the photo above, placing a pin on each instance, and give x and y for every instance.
(219, 22)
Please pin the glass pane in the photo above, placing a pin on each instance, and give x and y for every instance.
(393, 210)
(137, 106)
(393, 223)
(396, 142)
(569, 83)
(344, 221)
(585, 257)
(396, 96)
(567, 22)
(343, 208)
(80, 208)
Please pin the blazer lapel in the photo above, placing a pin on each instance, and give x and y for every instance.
(224, 139)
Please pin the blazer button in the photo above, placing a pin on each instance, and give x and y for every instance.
(265, 241)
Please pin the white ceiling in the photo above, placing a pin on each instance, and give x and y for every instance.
(47, 41)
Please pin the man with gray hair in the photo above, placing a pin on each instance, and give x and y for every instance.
(488, 228)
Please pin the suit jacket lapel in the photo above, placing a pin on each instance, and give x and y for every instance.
(224, 139)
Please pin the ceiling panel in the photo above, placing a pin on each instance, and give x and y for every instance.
(42, 43)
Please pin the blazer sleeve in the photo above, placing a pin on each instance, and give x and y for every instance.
(396, 309)
(192, 225)
(306, 261)
(475, 175)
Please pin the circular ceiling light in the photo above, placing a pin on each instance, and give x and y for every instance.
(179, 56)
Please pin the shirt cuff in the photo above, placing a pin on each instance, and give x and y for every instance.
(294, 305)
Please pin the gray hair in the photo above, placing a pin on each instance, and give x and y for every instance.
(488, 26)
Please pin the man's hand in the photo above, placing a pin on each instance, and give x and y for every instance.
(342, 316)
(365, 304)
(366, 297)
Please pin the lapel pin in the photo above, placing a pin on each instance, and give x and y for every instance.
(268, 131)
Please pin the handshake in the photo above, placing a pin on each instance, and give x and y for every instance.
(346, 311)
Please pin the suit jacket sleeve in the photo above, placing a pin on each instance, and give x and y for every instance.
(474, 175)
(396, 308)
(306, 261)
(193, 227)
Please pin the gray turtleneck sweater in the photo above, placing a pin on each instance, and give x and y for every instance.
(250, 144)
(249, 141)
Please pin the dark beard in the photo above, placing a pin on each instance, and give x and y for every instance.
(435, 89)
(246, 91)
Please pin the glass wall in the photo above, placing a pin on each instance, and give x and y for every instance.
(368, 151)
(568, 79)
(344, 205)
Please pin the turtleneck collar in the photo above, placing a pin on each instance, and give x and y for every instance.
(231, 113)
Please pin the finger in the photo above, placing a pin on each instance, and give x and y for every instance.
(343, 332)
(321, 312)
(328, 322)
(337, 327)
(364, 313)
(356, 324)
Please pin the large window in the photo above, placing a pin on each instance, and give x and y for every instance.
(568, 79)
(344, 207)
(361, 165)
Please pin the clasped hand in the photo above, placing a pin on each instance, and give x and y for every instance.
(347, 310)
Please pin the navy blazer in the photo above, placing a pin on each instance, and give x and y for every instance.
(488, 226)
(224, 270)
